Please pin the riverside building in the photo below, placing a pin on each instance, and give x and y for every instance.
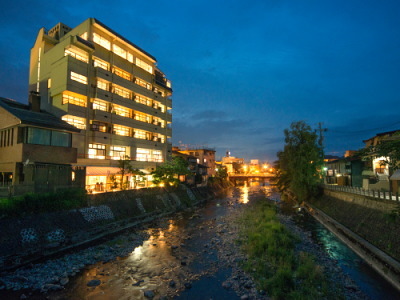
(110, 89)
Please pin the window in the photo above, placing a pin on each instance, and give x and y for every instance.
(77, 53)
(143, 154)
(158, 122)
(142, 117)
(98, 126)
(98, 39)
(41, 136)
(75, 99)
(97, 62)
(122, 111)
(145, 66)
(130, 57)
(78, 77)
(143, 83)
(140, 134)
(75, 121)
(49, 83)
(62, 139)
(157, 156)
(143, 100)
(122, 92)
(160, 92)
(102, 84)
(119, 51)
(118, 152)
(121, 130)
(97, 151)
(159, 106)
(121, 73)
(158, 138)
(99, 105)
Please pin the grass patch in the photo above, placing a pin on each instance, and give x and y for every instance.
(45, 202)
(272, 260)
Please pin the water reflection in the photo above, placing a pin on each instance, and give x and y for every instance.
(244, 197)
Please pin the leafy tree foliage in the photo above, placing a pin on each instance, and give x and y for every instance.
(222, 172)
(169, 171)
(299, 164)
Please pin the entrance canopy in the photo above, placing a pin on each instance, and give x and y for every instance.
(101, 171)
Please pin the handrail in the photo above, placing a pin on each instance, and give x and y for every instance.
(386, 195)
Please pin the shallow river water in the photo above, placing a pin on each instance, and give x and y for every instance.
(181, 259)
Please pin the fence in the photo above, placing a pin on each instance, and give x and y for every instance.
(360, 191)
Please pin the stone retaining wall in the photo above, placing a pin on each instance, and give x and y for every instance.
(373, 203)
(33, 236)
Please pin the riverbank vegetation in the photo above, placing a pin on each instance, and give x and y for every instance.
(273, 261)
(45, 202)
(299, 165)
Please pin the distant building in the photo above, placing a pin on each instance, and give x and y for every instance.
(109, 88)
(205, 157)
(36, 150)
(232, 164)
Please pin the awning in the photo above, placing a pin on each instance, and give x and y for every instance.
(396, 175)
(101, 171)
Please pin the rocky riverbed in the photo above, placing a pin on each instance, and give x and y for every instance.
(191, 255)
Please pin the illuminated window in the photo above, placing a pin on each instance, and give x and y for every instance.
(98, 39)
(97, 151)
(143, 100)
(75, 121)
(119, 51)
(130, 57)
(143, 83)
(121, 73)
(121, 111)
(121, 130)
(49, 83)
(157, 156)
(140, 134)
(117, 152)
(102, 84)
(158, 138)
(160, 92)
(122, 92)
(145, 66)
(159, 106)
(77, 53)
(78, 77)
(98, 126)
(84, 35)
(97, 62)
(143, 154)
(74, 99)
(142, 117)
(99, 105)
(158, 122)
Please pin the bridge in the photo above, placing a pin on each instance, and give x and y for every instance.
(248, 176)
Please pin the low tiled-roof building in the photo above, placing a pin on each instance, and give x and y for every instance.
(35, 149)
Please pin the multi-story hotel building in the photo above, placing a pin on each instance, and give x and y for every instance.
(98, 81)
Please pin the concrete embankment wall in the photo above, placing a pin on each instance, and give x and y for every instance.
(369, 226)
(25, 239)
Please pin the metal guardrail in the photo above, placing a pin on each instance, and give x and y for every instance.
(385, 195)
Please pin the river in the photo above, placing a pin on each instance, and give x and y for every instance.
(184, 257)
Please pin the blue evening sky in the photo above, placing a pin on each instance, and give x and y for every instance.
(242, 70)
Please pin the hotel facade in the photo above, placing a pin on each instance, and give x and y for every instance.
(109, 88)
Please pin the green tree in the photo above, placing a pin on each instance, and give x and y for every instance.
(299, 164)
(126, 168)
(169, 171)
(222, 172)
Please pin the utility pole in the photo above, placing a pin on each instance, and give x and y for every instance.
(321, 134)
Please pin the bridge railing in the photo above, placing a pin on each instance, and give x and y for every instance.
(385, 195)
